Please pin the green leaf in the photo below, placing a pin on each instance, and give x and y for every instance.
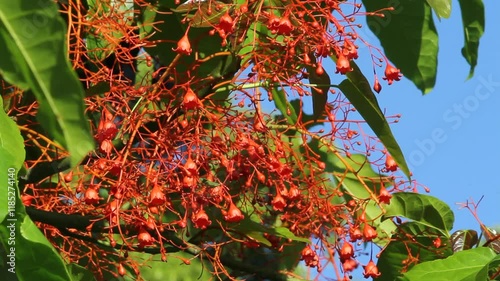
(202, 19)
(409, 39)
(442, 8)
(286, 233)
(281, 101)
(493, 267)
(385, 228)
(256, 230)
(358, 78)
(34, 257)
(145, 69)
(356, 175)
(410, 240)
(145, 18)
(422, 209)
(12, 154)
(463, 240)
(357, 184)
(98, 89)
(38, 53)
(174, 269)
(320, 93)
(79, 273)
(368, 108)
(468, 265)
(473, 23)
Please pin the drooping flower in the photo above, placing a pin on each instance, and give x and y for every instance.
(183, 46)
(343, 65)
(233, 214)
(390, 164)
(200, 219)
(369, 233)
(392, 74)
(371, 270)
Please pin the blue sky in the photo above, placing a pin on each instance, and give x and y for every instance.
(449, 136)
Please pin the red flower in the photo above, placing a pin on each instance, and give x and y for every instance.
(191, 167)
(91, 196)
(278, 202)
(343, 65)
(349, 265)
(27, 199)
(371, 270)
(226, 23)
(347, 251)
(200, 219)
(376, 85)
(157, 197)
(293, 193)
(285, 27)
(384, 196)
(106, 131)
(355, 234)
(144, 238)
(350, 50)
(190, 100)
(369, 233)
(183, 46)
(273, 23)
(390, 164)
(106, 146)
(309, 257)
(437, 242)
(392, 74)
(233, 214)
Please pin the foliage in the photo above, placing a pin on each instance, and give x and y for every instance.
(194, 173)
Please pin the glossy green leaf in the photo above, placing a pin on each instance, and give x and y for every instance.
(170, 30)
(286, 233)
(145, 69)
(463, 240)
(442, 8)
(492, 238)
(206, 14)
(367, 106)
(154, 269)
(423, 209)
(257, 32)
(473, 23)
(12, 154)
(409, 38)
(145, 18)
(359, 79)
(203, 19)
(98, 48)
(79, 273)
(33, 256)
(356, 175)
(281, 101)
(319, 93)
(39, 55)
(410, 239)
(494, 266)
(384, 228)
(98, 89)
(256, 230)
(468, 265)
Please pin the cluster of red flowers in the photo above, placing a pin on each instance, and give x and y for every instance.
(169, 158)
